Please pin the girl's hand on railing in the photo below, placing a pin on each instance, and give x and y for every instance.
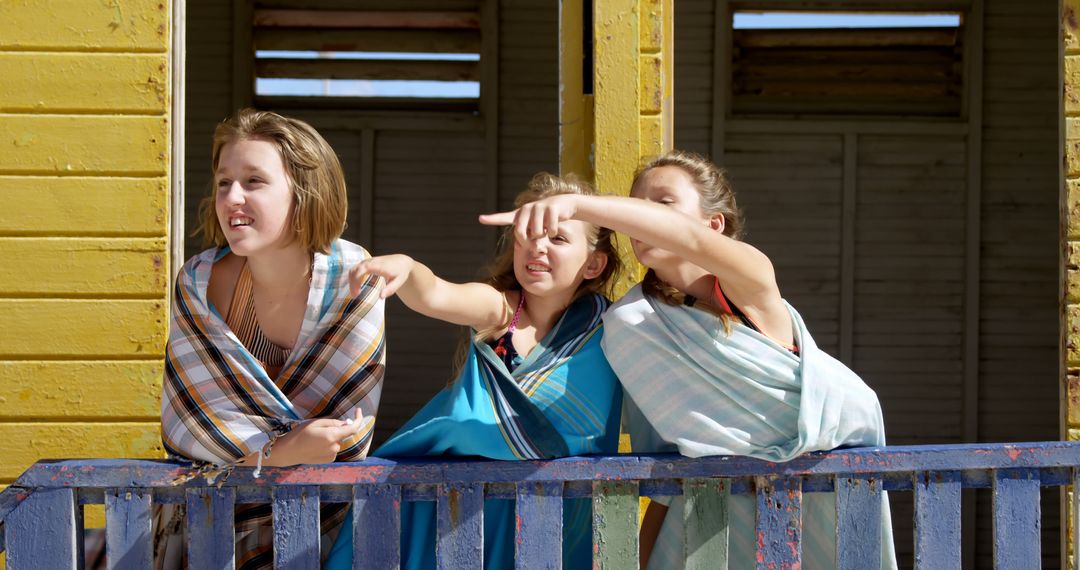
(315, 441)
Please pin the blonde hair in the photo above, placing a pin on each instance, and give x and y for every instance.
(315, 176)
(717, 197)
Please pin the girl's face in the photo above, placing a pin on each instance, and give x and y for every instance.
(674, 188)
(549, 266)
(253, 199)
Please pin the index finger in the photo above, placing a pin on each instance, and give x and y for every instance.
(499, 219)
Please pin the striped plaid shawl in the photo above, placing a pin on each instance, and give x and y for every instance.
(218, 404)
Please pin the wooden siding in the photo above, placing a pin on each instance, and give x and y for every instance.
(84, 228)
(909, 198)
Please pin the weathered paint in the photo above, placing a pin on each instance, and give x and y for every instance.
(81, 82)
(705, 518)
(107, 389)
(858, 522)
(77, 25)
(84, 231)
(130, 267)
(102, 328)
(296, 527)
(1016, 519)
(778, 528)
(31, 544)
(615, 524)
(377, 526)
(120, 145)
(23, 443)
(575, 132)
(128, 533)
(779, 490)
(538, 525)
(1070, 37)
(459, 541)
(83, 205)
(937, 520)
(210, 530)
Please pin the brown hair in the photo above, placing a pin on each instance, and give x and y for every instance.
(500, 273)
(717, 197)
(315, 177)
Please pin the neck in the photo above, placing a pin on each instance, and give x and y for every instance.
(545, 311)
(688, 278)
(281, 270)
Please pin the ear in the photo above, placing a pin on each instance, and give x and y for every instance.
(596, 264)
(716, 222)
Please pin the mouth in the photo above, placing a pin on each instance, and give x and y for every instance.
(239, 221)
(536, 267)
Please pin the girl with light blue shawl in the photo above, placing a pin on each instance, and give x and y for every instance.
(713, 360)
(535, 383)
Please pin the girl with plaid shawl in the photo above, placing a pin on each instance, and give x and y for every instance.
(272, 360)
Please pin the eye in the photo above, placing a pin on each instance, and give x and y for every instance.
(666, 201)
(255, 181)
(224, 183)
(560, 238)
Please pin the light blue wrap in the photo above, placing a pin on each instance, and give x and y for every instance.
(695, 389)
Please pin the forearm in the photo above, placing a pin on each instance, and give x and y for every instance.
(470, 304)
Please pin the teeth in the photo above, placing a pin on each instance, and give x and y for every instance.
(535, 267)
(240, 222)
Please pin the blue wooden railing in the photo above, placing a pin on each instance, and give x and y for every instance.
(41, 525)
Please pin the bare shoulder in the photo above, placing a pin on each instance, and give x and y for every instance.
(223, 277)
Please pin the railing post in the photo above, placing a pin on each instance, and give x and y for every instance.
(779, 522)
(128, 529)
(376, 526)
(210, 528)
(937, 520)
(705, 518)
(538, 536)
(1016, 519)
(858, 522)
(615, 524)
(297, 533)
(42, 531)
(460, 527)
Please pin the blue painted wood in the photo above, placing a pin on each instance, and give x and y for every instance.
(459, 539)
(296, 528)
(210, 529)
(376, 527)
(858, 522)
(539, 517)
(1016, 519)
(705, 519)
(10, 498)
(779, 523)
(128, 533)
(899, 459)
(937, 520)
(41, 532)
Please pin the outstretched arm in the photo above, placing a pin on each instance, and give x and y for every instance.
(745, 273)
(474, 304)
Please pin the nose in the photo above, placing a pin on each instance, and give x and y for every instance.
(232, 195)
(539, 245)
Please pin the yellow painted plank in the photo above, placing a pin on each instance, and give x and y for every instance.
(80, 82)
(652, 85)
(74, 205)
(37, 328)
(84, 266)
(22, 444)
(59, 144)
(652, 136)
(1072, 84)
(652, 26)
(102, 389)
(91, 25)
(616, 94)
(1070, 25)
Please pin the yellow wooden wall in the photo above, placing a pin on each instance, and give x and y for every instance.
(84, 218)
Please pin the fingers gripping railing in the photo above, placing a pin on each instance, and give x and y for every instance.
(42, 524)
